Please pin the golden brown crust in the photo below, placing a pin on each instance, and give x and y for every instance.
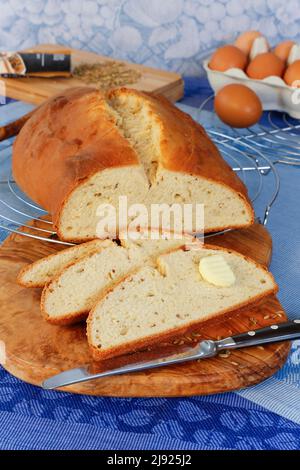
(66, 141)
(67, 320)
(72, 136)
(186, 147)
(134, 346)
(185, 144)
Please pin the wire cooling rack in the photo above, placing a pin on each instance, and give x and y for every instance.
(254, 154)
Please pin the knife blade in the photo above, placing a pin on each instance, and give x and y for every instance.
(205, 349)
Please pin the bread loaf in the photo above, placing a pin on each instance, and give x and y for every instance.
(159, 302)
(82, 149)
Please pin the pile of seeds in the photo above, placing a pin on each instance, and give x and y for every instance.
(106, 74)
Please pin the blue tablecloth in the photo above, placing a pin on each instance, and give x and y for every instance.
(263, 417)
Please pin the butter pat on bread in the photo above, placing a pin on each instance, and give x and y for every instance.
(215, 270)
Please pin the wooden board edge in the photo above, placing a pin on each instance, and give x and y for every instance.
(194, 388)
(173, 92)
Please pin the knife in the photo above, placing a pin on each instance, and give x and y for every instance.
(205, 349)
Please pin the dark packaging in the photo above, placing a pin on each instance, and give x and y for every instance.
(22, 64)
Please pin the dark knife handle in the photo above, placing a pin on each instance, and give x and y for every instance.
(269, 334)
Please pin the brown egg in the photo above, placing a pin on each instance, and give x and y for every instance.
(238, 106)
(227, 57)
(283, 49)
(246, 39)
(292, 74)
(265, 65)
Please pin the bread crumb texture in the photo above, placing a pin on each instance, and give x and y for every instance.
(162, 299)
(78, 287)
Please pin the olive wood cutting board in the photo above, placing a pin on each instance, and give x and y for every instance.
(35, 350)
(36, 90)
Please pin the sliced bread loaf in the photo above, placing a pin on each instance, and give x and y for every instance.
(70, 296)
(159, 302)
(42, 271)
(123, 143)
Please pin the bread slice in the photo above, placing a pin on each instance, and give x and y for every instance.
(70, 296)
(159, 302)
(124, 143)
(42, 271)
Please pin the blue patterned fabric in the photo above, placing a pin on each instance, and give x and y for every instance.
(35, 419)
(172, 34)
(266, 416)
